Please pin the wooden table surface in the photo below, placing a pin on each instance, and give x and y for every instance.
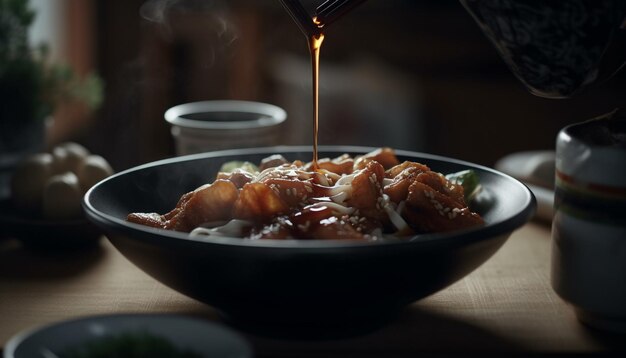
(505, 305)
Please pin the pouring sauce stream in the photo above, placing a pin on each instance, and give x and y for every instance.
(315, 45)
(312, 28)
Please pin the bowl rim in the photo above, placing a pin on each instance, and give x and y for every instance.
(19, 338)
(148, 234)
(270, 115)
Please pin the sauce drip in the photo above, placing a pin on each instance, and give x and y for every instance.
(312, 28)
(315, 45)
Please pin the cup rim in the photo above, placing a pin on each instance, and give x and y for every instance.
(589, 166)
(571, 134)
(271, 115)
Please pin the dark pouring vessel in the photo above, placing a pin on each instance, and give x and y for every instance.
(556, 48)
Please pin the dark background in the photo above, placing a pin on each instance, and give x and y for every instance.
(411, 74)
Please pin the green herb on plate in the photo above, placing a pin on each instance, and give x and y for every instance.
(129, 345)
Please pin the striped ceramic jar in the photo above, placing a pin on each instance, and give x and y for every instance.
(589, 225)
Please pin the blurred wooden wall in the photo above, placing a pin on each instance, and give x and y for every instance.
(71, 120)
(473, 107)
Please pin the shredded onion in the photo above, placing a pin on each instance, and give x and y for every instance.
(396, 219)
(233, 228)
(345, 180)
(341, 197)
(339, 209)
(339, 189)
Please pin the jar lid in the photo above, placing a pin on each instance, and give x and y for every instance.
(594, 152)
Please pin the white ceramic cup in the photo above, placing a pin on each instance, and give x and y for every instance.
(214, 125)
(589, 225)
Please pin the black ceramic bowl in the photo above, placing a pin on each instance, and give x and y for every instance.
(296, 284)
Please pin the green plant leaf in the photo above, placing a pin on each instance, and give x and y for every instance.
(30, 85)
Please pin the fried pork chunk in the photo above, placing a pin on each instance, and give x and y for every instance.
(209, 203)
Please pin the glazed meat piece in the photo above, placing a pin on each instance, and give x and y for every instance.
(320, 221)
(432, 203)
(385, 156)
(208, 203)
(438, 182)
(366, 194)
(158, 220)
(402, 176)
(259, 203)
(239, 177)
(292, 192)
(272, 162)
(399, 169)
(428, 210)
(148, 219)
(341, 165)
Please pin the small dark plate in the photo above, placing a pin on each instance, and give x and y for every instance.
(38, 233)
(299, 287)
(202, 338)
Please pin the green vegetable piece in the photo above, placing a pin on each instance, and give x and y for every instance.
(130, 345)
(468, 179)
(229, 167)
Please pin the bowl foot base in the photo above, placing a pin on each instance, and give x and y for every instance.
(603, 322)
(308, 329)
